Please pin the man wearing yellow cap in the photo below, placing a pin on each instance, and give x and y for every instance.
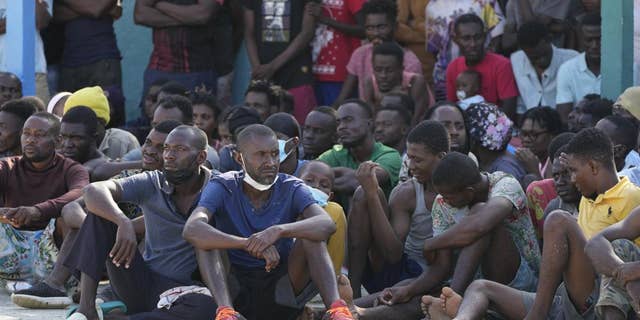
(113, 142)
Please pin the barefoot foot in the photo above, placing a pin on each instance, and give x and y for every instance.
(346, 293)
(432, 308)
(450, 301)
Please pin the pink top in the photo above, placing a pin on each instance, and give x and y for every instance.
(360, 65)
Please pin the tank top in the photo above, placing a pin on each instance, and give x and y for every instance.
(420, 229)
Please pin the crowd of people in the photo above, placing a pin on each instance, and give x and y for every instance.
(407, 159)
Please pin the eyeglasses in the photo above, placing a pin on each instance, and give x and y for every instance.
(532, 134)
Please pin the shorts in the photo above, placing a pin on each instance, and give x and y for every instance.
(268, 295)
(613, 294)
(390, 274)
(562, 308)
(525, 279)
(27, 255)
(327, 92)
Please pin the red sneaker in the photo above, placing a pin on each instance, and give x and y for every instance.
(339, 311)
(227, 313)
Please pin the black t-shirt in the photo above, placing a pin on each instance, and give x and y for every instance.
(277, 23)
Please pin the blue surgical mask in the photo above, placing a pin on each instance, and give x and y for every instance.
(321, 198)
(281, 147)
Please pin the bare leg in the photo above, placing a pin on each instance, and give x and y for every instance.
(563, 257)
(361, 239)
(309, 260)
(495, 251)
(409, 310)
(88, 287)
(483, 294)
(214, 273)
(60, 274)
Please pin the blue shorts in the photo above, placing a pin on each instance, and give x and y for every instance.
(327, 92)
(390, 274)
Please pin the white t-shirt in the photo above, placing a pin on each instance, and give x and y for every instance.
(40, 61)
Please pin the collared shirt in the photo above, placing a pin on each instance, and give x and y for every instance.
(608, 208)
(166, 251)
(533, 92)
(575, 81)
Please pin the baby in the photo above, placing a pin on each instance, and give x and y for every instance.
(468, 84)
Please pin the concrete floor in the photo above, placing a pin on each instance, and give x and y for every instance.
(9, 311)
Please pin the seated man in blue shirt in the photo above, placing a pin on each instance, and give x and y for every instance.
(254, 214)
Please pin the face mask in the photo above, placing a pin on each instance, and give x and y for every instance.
(321, 198)
(252, 182)
(283, 154)
(461, 94)
(180, 176)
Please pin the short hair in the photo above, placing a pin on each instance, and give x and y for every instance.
(35, 102)
(363, 105)
(200, 142)
(240, 117)
(19, 108)
(386, 7)
(592, 19)
(625, 132)
(52, 119)
(180, 102)
(13, 77)
(475, 74)
(456, 170)
(429, 114)
(598, 108)
(531, 33)
(174, 88)
(283, 123)
(591, 96)
(404, 113)
(547, 117)
(327, 110)
(252, 131)
(592, 143)
(208, 100)
(389, 48)
(432, 134)
(468, 18)
(286, 101)
(306, 164)
(557, 142)
(405, 100)
(82, 115)
(266, 87)
(166, 126)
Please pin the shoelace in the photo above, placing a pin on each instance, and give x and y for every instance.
(226, 313)
(340, 313)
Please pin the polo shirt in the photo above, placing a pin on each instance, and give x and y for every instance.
(608, 208)
(497, 84)
(533, 92)
(575, 81)
(234, 214)
(165, 250)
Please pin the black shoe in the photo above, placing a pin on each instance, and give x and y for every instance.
(41, 296)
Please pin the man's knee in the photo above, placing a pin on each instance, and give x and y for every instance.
(558, 220)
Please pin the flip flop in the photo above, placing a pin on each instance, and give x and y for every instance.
(103, 308)
(73, 315)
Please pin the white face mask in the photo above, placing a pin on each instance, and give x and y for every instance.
(281, 147)
(321, 198)
(252, 182)
(461, 94)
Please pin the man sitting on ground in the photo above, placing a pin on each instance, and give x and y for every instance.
(34, 188)
(319, 132)
(107, 235)
(357, 145)
(480, 220)
(605, 201)
(79, 135)
(254, 214)
(50, 293)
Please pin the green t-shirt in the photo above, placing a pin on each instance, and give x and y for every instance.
(388, 158)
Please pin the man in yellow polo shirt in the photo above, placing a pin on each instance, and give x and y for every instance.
(606, 200)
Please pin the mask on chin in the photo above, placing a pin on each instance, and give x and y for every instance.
(252, 182)
(321, 198)
(461, 94)
(180, 176)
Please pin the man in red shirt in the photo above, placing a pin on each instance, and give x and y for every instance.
(498, 83)
(338, 34)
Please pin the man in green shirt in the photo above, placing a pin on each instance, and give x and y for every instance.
(357, 145)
